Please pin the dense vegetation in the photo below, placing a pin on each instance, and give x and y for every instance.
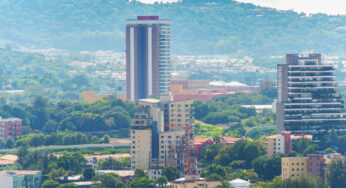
(57, 78)
(198, 27)
(41, 115)
(246, 160)
(236, 120)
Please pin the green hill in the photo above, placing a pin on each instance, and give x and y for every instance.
(198, 26)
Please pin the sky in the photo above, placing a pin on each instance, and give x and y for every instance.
(307, 6)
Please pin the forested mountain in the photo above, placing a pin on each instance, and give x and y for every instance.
(198, 26)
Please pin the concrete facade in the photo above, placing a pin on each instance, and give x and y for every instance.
(293, 167)
(20, 178)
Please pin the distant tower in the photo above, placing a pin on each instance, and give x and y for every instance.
(148, 64)
(307, 100)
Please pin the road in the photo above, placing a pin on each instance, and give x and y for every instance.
(114, 143)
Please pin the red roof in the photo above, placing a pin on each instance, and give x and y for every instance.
(228, 140)
(201, 140)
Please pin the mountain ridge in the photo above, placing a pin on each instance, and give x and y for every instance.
(197, 27)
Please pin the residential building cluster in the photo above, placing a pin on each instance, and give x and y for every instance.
(312, 164)
(160, 136)
(282, 143)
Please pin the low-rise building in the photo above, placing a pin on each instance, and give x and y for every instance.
(93, 160)
(200, 143)
(7, 160)
(194, 181)
(20, 178)
(10, 128)
(312, 164)
(282, 143)
(229, 141)
(126, 175)
(239, 183)
(293, 167)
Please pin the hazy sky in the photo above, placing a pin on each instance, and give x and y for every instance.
(307, 6)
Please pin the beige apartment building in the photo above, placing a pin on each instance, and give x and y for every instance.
(141, 140)
(293, 167)
(282, 143)
(180, 113)
(158, 135)
(275, 144)
(171, 148)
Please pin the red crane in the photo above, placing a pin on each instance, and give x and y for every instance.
(187, 128)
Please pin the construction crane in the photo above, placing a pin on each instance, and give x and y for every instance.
(188, 129)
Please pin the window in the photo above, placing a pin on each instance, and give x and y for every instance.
(297, 164)
(292, 164)
(292, 169)
(133, 152)
(302, 164)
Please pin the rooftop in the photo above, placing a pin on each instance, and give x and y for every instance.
(149, 100)
(121, 173)
(115, 156)
(19, 172)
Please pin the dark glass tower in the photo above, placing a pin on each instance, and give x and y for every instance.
(307, 101)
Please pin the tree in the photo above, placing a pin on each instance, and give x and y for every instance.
(162, 180)
(88, 173)
(330, 150)
(9, 142)
(51, 126)
(106, 139)
(139, 173)
(40, 112)
(111, 164)
(170, 172)
(241, 150)
(215, 172)
(50, 184)
(142, 182)
(209, 152)
(109, 180)
(300, 182)
(336, 176)
(267, 168)
(301, 144)
(21, 153)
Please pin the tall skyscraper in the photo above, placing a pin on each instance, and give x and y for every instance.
(147, 57)
(307, 101)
